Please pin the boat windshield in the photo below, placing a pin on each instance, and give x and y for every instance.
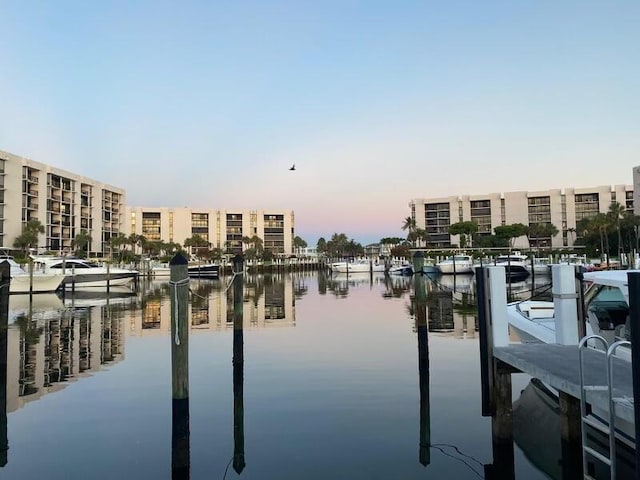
(608, 306)
(75, 265)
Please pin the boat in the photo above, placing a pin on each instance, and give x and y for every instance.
(205, 270)
(606, 301)
(456, 264)
(38, 282)
(430, 267)
(81, 273)
(358, 266)
(401, 269)
(606, 307)
(515, 264)
(539, 266)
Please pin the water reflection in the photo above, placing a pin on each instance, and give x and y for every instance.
(48, 348)
(537, 431)
(329, 394)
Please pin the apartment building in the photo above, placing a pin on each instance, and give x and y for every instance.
(223, 229)
(562, 207)
(65, 203)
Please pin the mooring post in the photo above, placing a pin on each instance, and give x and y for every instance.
(5, 281)
(418, 263)
(108, 277)
(502, 411)
(238, 364)
(563, 280)
(580, 306)
(491, 292)
(634, 320)
(30, 276)
(502, 423)
(179, 283)
(496, 279)
(484, 333)
(570, 437)
(420, 296)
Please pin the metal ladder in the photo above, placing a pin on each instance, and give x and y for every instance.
(587, 418)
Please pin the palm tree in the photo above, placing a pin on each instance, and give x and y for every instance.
(409, 223)
(29, 236)
(616, 213)
(600, 223)
(298, 244)
(81, 241)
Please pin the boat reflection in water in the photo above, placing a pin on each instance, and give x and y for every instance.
(536, 430)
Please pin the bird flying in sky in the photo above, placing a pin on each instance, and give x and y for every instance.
(293, 167)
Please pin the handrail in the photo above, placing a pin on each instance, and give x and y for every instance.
(612, 413)
(583, 397)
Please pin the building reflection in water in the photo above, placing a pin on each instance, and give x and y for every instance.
(49, 347)
(452, 304)
(51, 341)
(269, 301)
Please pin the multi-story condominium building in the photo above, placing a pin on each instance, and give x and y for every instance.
(561, 208)
(223, 229)
(63, 202)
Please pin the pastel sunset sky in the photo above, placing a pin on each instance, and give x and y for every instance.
(208, 104)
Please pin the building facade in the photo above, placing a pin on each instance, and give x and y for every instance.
(63, 202)
(222, 229)
(561, 208)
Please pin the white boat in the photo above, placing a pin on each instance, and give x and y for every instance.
(358, 266)
(607, 309)
(82, 273)
(39, 282)
(404, 268)
(515, 264)
(457, 264)
(539, 266)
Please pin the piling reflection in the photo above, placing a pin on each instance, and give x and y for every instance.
(4, 323)
(238, 375)
(422, 328)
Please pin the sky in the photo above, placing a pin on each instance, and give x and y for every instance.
(207, 104)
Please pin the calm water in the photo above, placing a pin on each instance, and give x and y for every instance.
(329, 388)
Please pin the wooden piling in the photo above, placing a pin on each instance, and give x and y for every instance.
(570, 437)
(420, 296)
(30, 277)
(5, 280)
(108, 278)
(238, 365)
(502, 421)
(179, 283)
(418, 263)
(634, 320)
(484, 334)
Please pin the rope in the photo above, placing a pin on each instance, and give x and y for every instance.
(184, 281)
(196, 295)
(235, 274)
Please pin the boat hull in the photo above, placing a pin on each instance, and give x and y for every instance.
(356, 267)
(42, 283)
(204, 271)
(458, 268)
(98, 280)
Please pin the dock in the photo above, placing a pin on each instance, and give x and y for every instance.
(558, 366)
